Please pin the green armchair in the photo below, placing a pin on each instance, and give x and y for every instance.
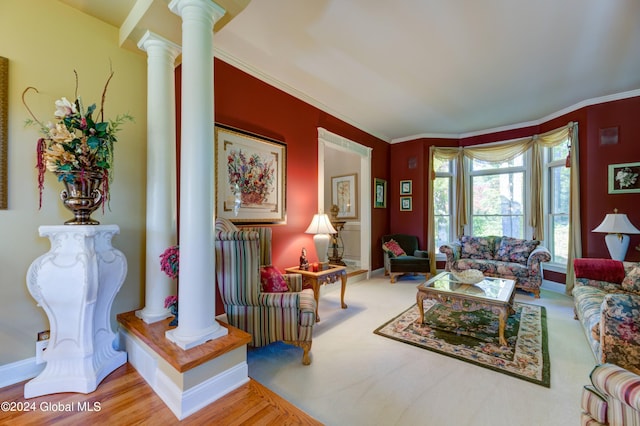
(410, 260)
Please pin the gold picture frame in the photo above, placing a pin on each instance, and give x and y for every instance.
(380, 193)
(250, 177)
(344, 194)
(4, 134)
(406, 204)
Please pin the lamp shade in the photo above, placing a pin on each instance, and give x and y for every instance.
(616, 223)
(321, 225)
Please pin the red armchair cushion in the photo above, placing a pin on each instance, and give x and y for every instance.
(608, 270)
(272, 280)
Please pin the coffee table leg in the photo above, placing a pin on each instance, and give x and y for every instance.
(343, 277)
(420, 305)
(502, 317)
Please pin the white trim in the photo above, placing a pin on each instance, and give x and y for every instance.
(560, 113)
(183, 404)
(335, 141)
(19, 371)
(260, 75)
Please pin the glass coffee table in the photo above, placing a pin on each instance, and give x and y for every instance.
(492, 294)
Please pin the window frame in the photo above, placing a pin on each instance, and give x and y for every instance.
(548, 165)
(451, 175)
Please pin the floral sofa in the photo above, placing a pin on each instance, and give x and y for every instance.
(503, 257)
(613, 398)
(607, 304)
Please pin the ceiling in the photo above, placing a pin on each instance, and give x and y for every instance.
(423, 67)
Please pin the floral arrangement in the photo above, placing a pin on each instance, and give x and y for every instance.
(252, 176)
(626, 177)
(169, 260)
(77, 144)
(171, 303)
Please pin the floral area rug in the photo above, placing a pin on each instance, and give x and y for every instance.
(473, 337)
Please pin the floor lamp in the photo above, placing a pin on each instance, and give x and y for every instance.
(321, 228)
(616, 226)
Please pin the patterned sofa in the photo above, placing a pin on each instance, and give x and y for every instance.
(503, 257)
(613, 398)
(607, 304)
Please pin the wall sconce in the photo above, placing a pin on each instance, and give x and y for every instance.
(616, 226)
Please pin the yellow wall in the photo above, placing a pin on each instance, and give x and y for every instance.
(45, 41)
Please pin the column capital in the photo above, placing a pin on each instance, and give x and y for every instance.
(213, 9)
(150, 39)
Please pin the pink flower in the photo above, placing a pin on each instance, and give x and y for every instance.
(170, 300)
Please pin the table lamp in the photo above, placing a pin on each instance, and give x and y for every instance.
(321, 228)
(616, 226)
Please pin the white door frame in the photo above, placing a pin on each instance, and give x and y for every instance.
(327, 139)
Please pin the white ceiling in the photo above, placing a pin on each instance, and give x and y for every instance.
(431, 67)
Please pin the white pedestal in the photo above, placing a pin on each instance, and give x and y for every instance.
(75, 283)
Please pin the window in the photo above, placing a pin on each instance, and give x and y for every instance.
(557, 200)
(443, 196)
(497, 194)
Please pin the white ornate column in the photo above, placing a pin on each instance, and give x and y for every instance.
(196, 296)
(75, 283)
(161, 168)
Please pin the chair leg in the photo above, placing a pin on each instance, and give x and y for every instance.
(306, 350)
(393, 277)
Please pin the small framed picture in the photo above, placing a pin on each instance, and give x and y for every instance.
(624, 178)
(380, 191)
(405, 204)
(405, 187)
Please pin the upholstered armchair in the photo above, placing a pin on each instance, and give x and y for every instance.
(402, 256)
(613, 398)
(287, 315)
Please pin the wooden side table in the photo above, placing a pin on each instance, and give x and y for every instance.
(316, 279)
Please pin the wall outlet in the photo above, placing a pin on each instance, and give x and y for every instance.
(41, 345)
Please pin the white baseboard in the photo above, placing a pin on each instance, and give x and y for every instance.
(19, 371)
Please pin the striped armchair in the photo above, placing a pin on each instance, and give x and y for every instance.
(268, 317)
(613, 398)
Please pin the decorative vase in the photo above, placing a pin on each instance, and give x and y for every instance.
(81, 195)
(249, 198)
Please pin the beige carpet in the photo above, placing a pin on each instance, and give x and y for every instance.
(359, 378)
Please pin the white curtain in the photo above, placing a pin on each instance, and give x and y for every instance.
(504, 152)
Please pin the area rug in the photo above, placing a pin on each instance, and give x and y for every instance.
(473, 337)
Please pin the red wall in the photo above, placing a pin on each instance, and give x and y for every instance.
(594, 161)
(247, 103)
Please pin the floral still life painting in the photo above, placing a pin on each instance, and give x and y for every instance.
(250, 180)
(624, 178)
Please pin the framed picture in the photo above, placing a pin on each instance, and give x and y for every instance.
(405, 187)
(624, 178)
(250, 177)
(380, 193)
(405, 204)
(344, 194)
(4, 129)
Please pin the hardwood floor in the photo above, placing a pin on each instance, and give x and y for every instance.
(124, 398)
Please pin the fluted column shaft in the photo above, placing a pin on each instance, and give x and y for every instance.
(161, 171)
(196, 297)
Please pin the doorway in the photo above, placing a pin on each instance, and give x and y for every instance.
(340, 156)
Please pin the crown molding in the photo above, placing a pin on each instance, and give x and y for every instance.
(574, 107)
(260, 75)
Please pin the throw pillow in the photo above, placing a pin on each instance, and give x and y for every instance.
(609, 270)
(272, 281)
(393, 248)
(515, 250)
(476, 247)
(632, 281)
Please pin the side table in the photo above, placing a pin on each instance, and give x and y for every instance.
(75, 283)
(326, 276)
